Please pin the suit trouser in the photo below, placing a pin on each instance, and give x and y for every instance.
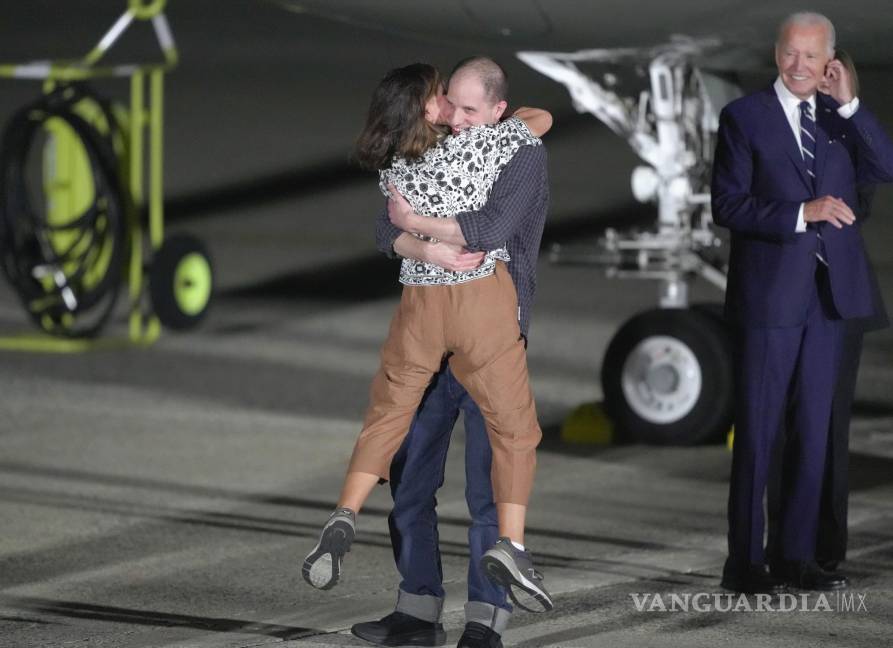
(478, 323)
(832, 534)
(831, 541)
(783, 370)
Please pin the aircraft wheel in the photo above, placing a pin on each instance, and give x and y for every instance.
(181, 282)
(667, 378)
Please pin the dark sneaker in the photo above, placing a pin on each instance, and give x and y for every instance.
(322, 566)
(512, 569)
(477, 635)
(399, 629)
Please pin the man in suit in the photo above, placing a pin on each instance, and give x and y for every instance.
(786, 168)
(831, 542)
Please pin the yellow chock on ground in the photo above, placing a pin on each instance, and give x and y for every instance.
(587, 424)
(730, 438)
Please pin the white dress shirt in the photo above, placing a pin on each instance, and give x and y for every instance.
(790, 104)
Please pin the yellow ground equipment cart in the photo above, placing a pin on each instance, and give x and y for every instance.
(73, 210)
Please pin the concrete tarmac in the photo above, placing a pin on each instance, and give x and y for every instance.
(166, 496)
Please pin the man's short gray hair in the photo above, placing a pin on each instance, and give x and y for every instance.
(809, 19)
(489, 72)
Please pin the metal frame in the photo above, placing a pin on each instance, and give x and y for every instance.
(146, 113)
(671, 126)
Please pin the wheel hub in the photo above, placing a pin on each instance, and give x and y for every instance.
(661, 379)
(192, 283)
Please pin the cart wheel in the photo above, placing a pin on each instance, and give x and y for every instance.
(667, 378)
(181, 282)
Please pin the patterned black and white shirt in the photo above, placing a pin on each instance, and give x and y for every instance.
(453, 177)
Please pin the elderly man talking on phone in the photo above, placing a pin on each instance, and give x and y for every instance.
(786, 169)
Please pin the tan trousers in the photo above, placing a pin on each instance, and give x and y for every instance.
(477, 322)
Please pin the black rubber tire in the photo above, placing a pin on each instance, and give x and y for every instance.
(714, 310)
(711, 415)
(163, 277)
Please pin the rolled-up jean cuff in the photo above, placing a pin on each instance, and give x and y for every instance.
(421, 606)
(495, 618)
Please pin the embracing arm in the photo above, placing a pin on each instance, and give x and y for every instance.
(538, 121)
(386, 234)
(519, 184)
(403, 217)
(446, 255)
(394, 242)
(491, 226)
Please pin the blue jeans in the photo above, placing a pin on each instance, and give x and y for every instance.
(417, 471)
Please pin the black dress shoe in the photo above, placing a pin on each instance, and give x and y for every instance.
(829, 565)
(755, 579)
(399, 629)
(477, 635)
(809, 576)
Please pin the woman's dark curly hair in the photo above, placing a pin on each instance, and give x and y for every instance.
(396, 124)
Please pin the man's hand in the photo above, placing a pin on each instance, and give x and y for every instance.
(828, 208)
(400, 212)
(538, 121)
(453, 257)
(401, 215)
(838, 82)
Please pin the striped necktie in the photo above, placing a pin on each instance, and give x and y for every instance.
(807, 139)
(807, 146)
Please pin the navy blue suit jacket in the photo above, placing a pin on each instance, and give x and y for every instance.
(759, 182)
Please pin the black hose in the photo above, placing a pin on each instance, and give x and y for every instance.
(77, 303)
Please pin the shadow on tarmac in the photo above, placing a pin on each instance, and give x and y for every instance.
(301, 181)
(372, 277)
(158, 532)
(872, 409)
(362, 279)
(261, 190)
(149, 618)
(242, 521)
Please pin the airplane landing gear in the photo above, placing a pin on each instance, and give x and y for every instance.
(667, 377)
(667, 374)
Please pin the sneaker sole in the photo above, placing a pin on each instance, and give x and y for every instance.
(503, 572)
(322, 566)
(414, 639)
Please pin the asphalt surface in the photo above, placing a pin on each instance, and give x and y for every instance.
(166, 496)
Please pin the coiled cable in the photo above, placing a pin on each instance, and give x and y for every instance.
(67, 273)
